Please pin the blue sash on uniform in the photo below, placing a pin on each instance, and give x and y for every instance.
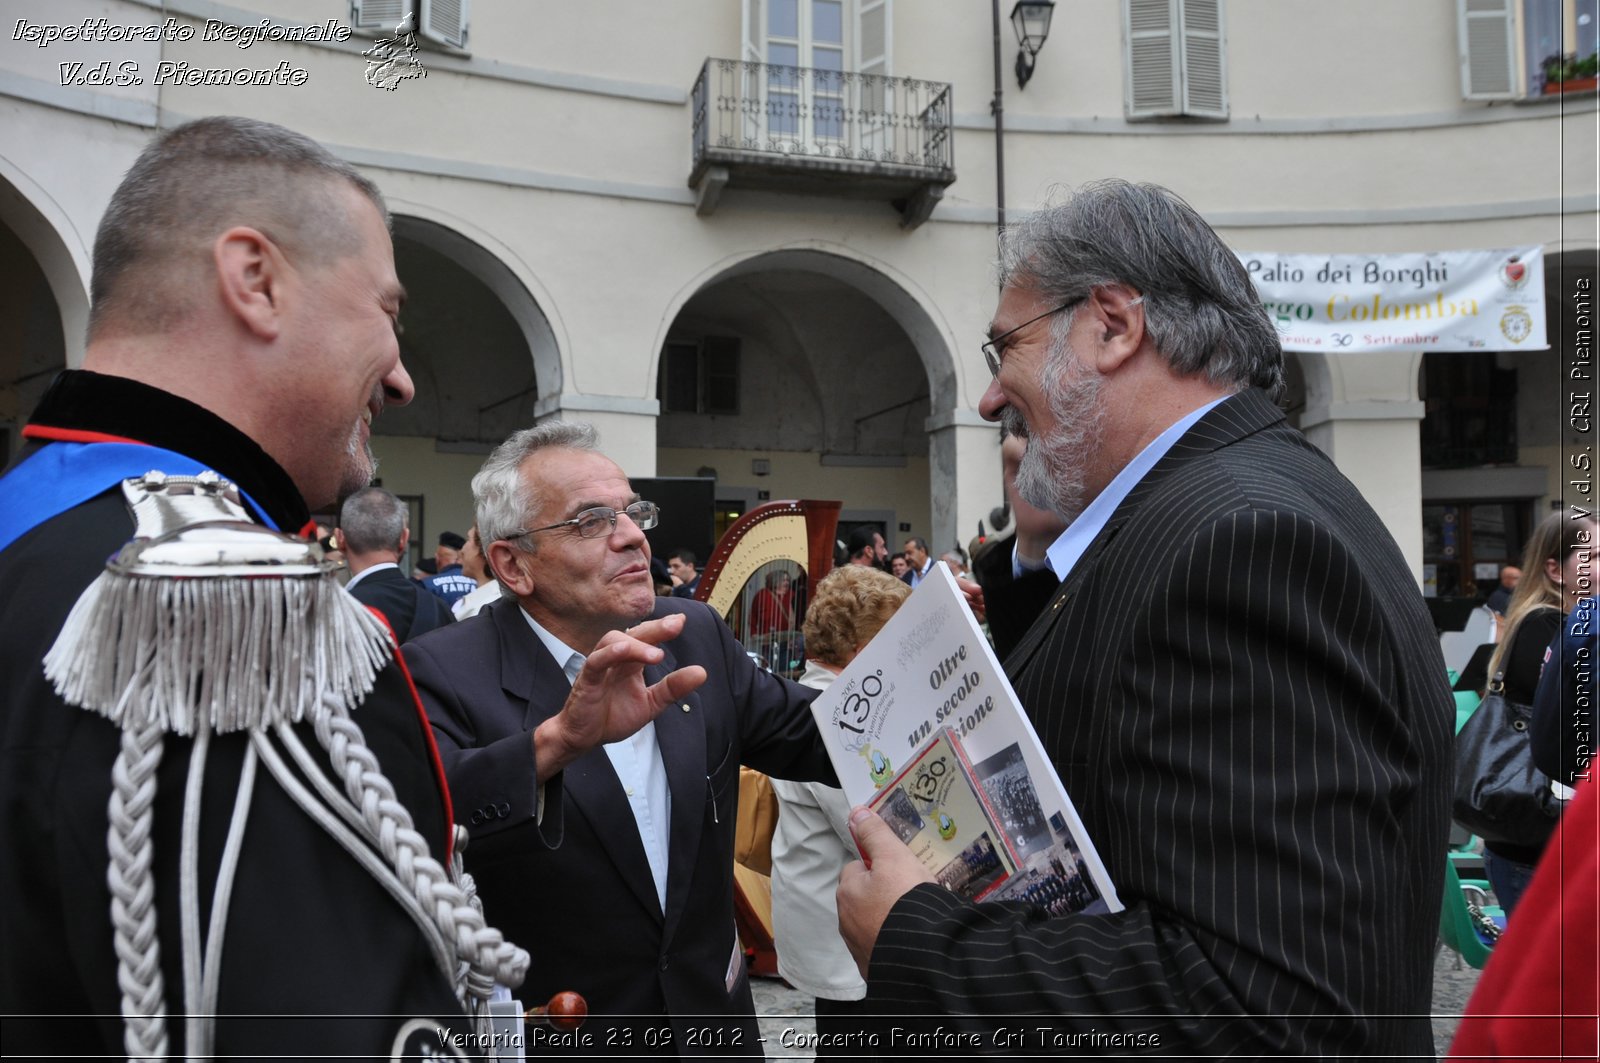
(61, 475)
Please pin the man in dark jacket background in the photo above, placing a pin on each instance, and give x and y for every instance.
(373, 535)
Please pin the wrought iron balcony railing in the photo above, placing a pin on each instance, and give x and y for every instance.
(763, 125)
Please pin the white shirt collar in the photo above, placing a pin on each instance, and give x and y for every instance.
(1066, 551)
(369, 570)
(558, 649)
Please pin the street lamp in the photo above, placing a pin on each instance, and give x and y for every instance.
(1031, 20)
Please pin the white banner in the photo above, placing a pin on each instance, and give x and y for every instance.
(1442, 301)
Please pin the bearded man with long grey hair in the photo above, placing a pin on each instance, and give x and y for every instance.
(1236, 680)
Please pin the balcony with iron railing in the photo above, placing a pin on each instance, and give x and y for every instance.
(821, 132)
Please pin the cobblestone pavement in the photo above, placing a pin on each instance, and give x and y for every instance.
(786, 1013)
(783, 1012)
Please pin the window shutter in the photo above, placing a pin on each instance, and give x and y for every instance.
(1488, 49)
(720, 361)
(680, 378)
(876, 102)
(1152, 57)
(1205, 89)
(750, 31)
(872, 37)
(444, 21)
(752, 49)
(377, 14)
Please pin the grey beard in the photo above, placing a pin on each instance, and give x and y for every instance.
(1052, 473)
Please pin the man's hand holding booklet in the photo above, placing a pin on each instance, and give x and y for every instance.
(924, 728)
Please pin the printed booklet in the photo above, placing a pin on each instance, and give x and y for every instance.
(938, 807)
(928, 688)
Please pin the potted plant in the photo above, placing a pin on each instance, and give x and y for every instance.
(1568, 73)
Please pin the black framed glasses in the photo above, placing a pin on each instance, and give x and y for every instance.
(994, 350)
(602, 521)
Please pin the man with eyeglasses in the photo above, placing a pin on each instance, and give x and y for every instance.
(1236, 680)
(614, 862)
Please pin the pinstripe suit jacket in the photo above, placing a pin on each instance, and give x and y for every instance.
(1244, 696)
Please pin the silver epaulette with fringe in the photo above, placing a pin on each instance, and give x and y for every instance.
(206, 614)
(208, 624)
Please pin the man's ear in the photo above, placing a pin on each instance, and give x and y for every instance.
(1119, 319)
(251, 273)
(505, 564)
(338, 540)
(405, 540)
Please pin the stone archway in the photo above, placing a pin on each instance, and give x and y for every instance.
(465, 302)
(481, 352)
(44, 309)
(840, 370)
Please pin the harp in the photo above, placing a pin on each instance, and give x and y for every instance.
(763, 572)
(759, 577)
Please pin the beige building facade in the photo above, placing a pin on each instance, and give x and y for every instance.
(753, 239)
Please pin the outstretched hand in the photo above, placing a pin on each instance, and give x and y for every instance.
(610, 700)
(869, 887)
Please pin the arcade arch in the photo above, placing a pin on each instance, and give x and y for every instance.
(44, 309)
(482, 352)
(805, 373)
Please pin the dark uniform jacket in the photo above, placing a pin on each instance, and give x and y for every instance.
(310, 934)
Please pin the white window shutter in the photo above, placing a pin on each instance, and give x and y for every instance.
(752, 81)
(1151, 38)
(377, 14)
(1488, 49)
(444, 21)
(873, 45)
(877, 100)
(1205, 83)
(751, 31)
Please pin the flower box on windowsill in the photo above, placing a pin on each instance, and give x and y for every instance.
(1556, 88)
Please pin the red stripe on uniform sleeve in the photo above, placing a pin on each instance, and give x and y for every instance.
(434, 759)
(74, 435)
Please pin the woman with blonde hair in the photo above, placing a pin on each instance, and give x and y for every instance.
(1557, 571)
(813, 842)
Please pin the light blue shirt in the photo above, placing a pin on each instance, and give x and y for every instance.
(1066, 551)
(639, 766)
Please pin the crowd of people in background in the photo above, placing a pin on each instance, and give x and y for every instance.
(1544, 591)
(1222, 649)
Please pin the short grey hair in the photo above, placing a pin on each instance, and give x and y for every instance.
(501, 495)
(193, 183)
(373, 519)
(1201, 311)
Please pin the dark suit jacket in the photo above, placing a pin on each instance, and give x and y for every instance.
(1010, 604)
(577, 888)
(411, 610)
(1244, 696)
